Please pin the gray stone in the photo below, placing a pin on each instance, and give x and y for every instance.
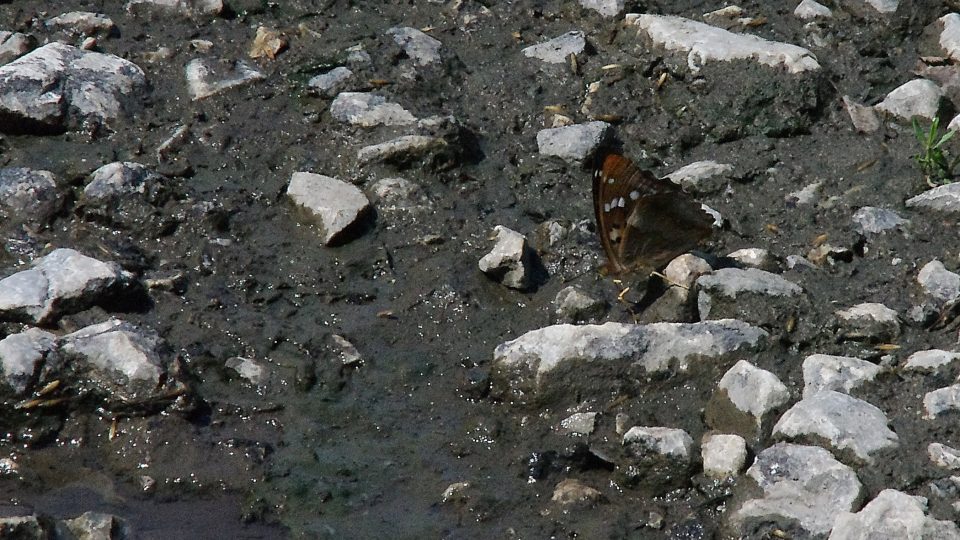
(724, 455)
(510, 261)
(21, 357)
(845, 422)
(950, 36)
(336, 204)
(803, 486)
(872, 220)
(919, 97)
(660, 457)
(893, 514)
(331, 83)
(420, 47)
(938, 282)
(403, 149)
(944, 456)
(941, 401)
(579, 423)
(347, 352)
(13, 45)
(82, 23)
(396, 194)
(186, 8)
(671, 442)
(944, 199)
(114, 181)
(22, 527)
(840, 373)
(754, 295)
(754, 391)
(357, 56)
(865, 119)
(731, 282)
(685, 269)
(369, 110)
(574, 143)
(207, 77)
(248, 368)
(607, 8)
(572, 493)
(758, 258)
(808, 9)
(59, 87)
(28, 195)
(930, 360)
(98, 526)
(557, 49)
(701, 176)
(703, 43)
(556, 359)
(869, 320)
(65, 281)
(884, 6)
(575, 305)
(806, 196)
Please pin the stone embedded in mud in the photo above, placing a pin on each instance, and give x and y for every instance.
(579, 423)
(701, 176)
(703, 43)
(869, 321)
(574, 305)
(331, 83)
(950, 36)
(420, 47)
(893, 514)
(572, 493)
(65, 281)
(845, 422)
(938, 282)
(803, 486)
(745, 400)
(369, 110)
(940, 401)
(884, 6)
(944, 456)
(574, 143)
(26, 527)
(944, 199)
(864, 119)
(97, 526)
(337, 205)
(268, 43)
(930, 360)
(397, 194)
(919, 97)
(186, 8)
(248, 368)
(840, 373)
(758, 258)
(119, 180)
(82, 23)
(661, 456)
(805, 196)
(22, 356)
(557, 360)
(404, 149)
(511, 260)
(756, 296)
(207, 77)
(28, 195)
(607, 8)
(872, 220)
(808, 9)
(58, 87)
(724, 455)
(13, 45)
(558, 49)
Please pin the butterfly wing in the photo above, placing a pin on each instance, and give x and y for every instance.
(617, 184)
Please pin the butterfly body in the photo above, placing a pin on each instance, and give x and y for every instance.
(643, 222)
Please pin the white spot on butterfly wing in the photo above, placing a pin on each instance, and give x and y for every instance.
(634, 195)
(606, 207)
(621, 202)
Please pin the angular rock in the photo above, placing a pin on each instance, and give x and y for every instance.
(98, 526)
(115, 181)
(576, 494)
(25, 527)
(248, 368)
(808, 9)
(420, 47)
(950, 36)
(872, 220)
(870, 321)
(268, 43)
(574, 305)
(938, 282)
(579, 423)
(574, 143)
(723, 455)
(59, 87)
(893, 514)
(844, 422)
(941, 401)
(347, 352)
(686, 269)
(22, 356)
(803, 486)
(701, 176)
(840, 373)
(753, 295)
(918, 97)
(65, 281)
(864, 119)
(331, 83)
(806, 196)
(13, 45)
(186, 8)
(758, 258)
(28, 195)
(557, 359)
(82, 23)
(369, 110)
(944, 456)
(703, 43)
(510, 261)
(207, 77)
(661, 456)
(884, 6)
(337, 205)
(404, 149)
(607, 8)
(944, 199)
(930, 360)
(745, 399)
(558, 49)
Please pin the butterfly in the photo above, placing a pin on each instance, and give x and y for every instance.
(643, 222)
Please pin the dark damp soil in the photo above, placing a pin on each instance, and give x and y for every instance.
(326, 451)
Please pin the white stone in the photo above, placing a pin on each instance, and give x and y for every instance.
(117, 347)
(701, 176)
(846, 422)
(805, 196)
(938, 282)
(573, 492)
(396, 193)
(731, 282)
(944, 456)
(950, 36)
(369, 110)
(669, 442)
(703, 43)
(893, 515)
(754, 257)
(403, 148)
(572, 143)
(840, 373)
(247, 368)
(723, 455)
(22, 354)
(944, 198)
(28, 194)
(187, 8)
(207, 77)
(753, 390)
(117, 179)
(557, 49)
(574, 304)
(509, 262)
(941, 401)
(808, 9)
(869, 320)
(685, 269)
(579, 423)
(884, 6)
(335, 203)
(918, 97)
(13, 45)
(423, 49)
(332, 82)
(607, 8)
(865, 119)
(872, 220)
(83, 23)
(930, 360)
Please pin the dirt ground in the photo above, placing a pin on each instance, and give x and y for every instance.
(325, 451)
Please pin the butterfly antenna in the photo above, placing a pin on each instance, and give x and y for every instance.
(668, 280)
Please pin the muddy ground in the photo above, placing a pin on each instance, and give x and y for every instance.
(321, 450)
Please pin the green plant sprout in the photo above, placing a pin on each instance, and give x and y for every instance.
(932, 159)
